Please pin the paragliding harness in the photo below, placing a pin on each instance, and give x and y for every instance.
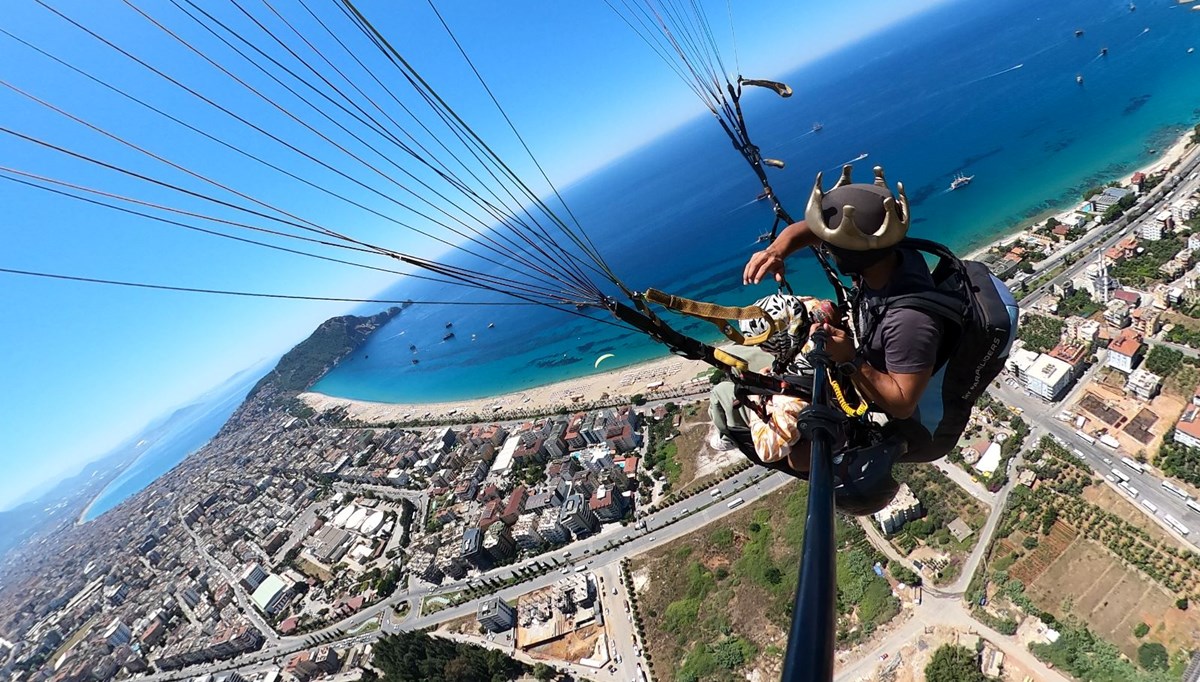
(852, 457)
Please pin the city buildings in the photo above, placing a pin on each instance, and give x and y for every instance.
(496, 615)
(1124, 352)
(903, 508)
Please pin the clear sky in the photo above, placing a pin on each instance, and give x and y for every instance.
(85, 366)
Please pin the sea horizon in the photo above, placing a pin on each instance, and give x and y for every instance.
(922, 117)
(1027, 162)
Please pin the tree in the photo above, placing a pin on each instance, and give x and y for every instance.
(1181, 603)
(1152, 656)
(1141, 630)
(952, 663)
(543, 672)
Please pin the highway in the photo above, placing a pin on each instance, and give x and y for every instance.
(1103, 460)
(595, 552)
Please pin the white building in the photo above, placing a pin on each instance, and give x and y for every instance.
(903, 508)
(1183, 211)
(1187, 429)
(1048, 377)
(551, 529)
(989, 461)
(525, 532)
(1152, 230)
(1124, 352)
(1143, 384)
(117, 633)
(1019, 361)
(271, 595)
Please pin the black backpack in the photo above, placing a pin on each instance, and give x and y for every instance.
(979, 316)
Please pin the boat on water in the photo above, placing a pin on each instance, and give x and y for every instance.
(1192, 49)
(448, 336)
(491, 325)
(764, 237)
(472, 337)
(817, 127)
(1104, 52)
(1132, 7)
(763, 195)
(412, 347)
(449, 325)
(416, 361)
(1079, 78)
(1079, 33)
(960, 180)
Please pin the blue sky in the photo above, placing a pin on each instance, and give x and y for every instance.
(86, 366)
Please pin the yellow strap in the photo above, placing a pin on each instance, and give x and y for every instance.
(731, 360)
(844, 404)
(718, 315)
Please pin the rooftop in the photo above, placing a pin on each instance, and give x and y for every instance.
(1126, 344)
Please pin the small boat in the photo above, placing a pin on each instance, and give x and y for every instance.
(817, 127)
(764, 237)
(472, 337)
(1132, 7)
(1104, 52)
(763, 195)
(448, 336)
(1192, 49)
(961, 180)
(1079, 33)
(449, 325)
(580, 306)
(412, 347)
(1079, 78)
(416, 361)
(491, 325)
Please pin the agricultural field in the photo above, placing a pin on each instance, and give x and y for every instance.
(716, 604)
(1083, 559)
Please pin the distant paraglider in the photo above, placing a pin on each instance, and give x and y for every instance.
(601, 359)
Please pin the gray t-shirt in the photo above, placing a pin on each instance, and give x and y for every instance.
(904, 341)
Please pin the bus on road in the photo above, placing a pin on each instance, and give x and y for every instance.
(1150, 505)
(1172, 522)
(1175, 490)
(735, 503)
(1133, 464)
(1121, 475)
(1193, 506)
(1085, 438)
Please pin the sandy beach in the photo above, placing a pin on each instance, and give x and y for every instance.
(667, 376)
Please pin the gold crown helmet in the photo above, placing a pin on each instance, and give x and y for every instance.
(846, 234)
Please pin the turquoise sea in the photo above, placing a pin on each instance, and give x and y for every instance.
(988, 89)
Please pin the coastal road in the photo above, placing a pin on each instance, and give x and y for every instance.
(1177, 185)
(1103, 460)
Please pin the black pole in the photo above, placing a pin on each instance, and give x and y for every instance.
(810, 642)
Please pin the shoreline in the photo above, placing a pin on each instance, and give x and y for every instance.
(1173, 154)
(670, 373)
(663, 376)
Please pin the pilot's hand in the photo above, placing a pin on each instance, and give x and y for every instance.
(838, 343)
(761, 264)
